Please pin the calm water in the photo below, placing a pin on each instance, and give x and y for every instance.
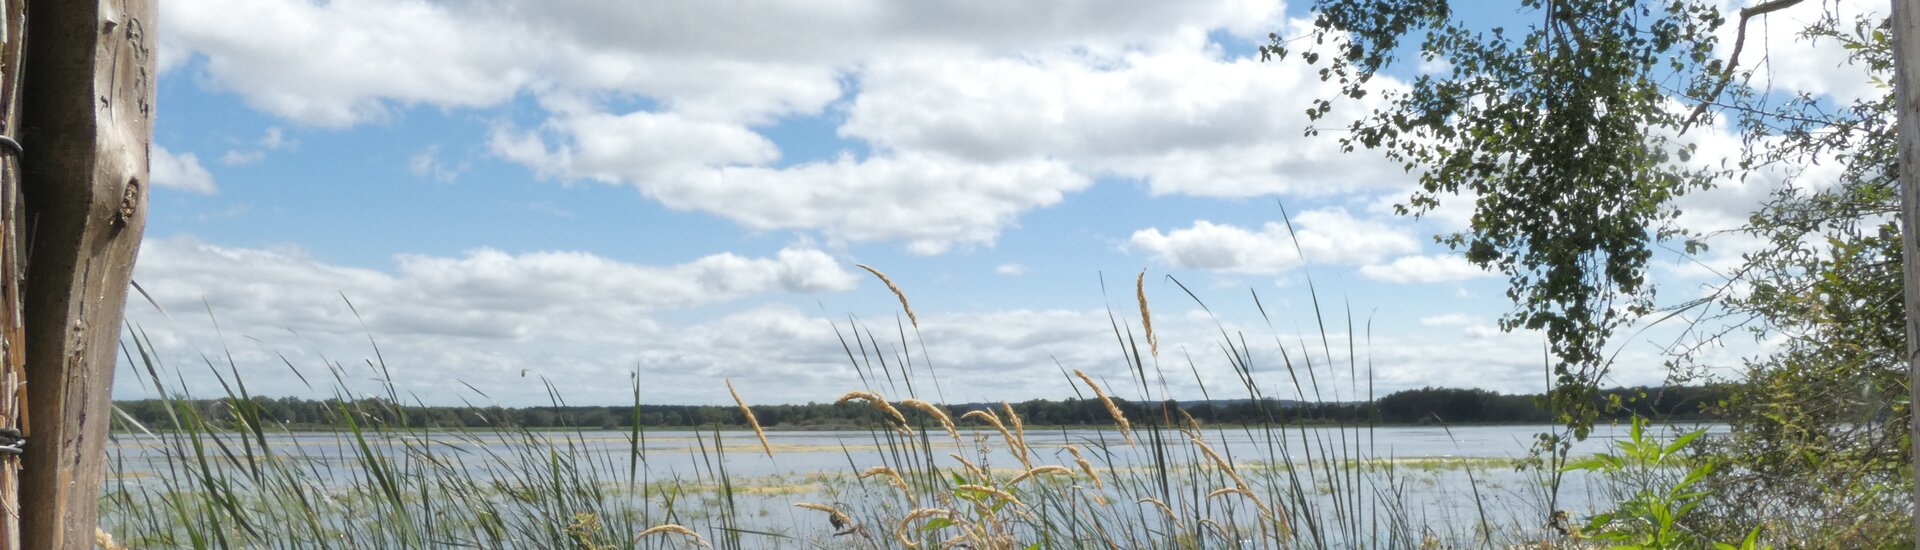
(1436, 486)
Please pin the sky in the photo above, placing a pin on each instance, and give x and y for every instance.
(488, 195)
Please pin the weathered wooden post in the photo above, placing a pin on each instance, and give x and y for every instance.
(13, 358)
(86, 123)
(1906, 84)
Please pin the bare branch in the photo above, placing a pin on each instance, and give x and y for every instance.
(1733, 61)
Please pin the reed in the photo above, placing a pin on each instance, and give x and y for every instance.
(1013, 444)
(893, 478)
(1086, 466)
(1040, 471)
(879, 403)
(937, 413)
(675, 530)
(230, 477)
(896, 293)
(751, 421)
(1146, 314)
(1119, 418)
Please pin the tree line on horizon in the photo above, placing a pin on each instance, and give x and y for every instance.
(1428, 405)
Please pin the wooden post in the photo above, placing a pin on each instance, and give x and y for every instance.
(1906, 84)
(86, 127)
(13, 359)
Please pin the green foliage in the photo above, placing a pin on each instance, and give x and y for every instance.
(1820, 444)
(1651, 517)
(1560, 133)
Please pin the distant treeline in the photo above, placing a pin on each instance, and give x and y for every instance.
(1425, 405)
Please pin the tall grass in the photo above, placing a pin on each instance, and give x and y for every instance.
(933, 476)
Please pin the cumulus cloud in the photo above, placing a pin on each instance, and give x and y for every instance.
(1781, 58)
(930, 201)
(180, 171)
(1185, 120)
(360, 57)
(1425, 269)
(986, 113)
(1327, 236)
(428, 164)
(484, 294)
(485, 317)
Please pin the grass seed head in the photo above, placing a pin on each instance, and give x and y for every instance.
(896, 293)
(676, 530)
(1119, 418)
(1146, 315)
(751, 421)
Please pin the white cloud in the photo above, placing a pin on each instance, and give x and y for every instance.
(275, 139)
(1781, 58)
(989, 113)
(1449, 320)
(486, 293)
(1185, 120)
(588, 322)
(182, 171)
(1220, 247)
(360, 57)
(932, 202)
(1326, 236)
(428, 164)
(237, 157)
(639, 147)
(1010, 269)
(1425, 269)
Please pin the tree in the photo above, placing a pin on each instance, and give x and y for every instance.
(1821, 423)
(1562, 135)
(1824, 429)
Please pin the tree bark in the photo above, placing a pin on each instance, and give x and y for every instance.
(1906, 84)
(86, 130)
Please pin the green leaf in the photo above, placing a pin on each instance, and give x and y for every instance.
(1682, 442)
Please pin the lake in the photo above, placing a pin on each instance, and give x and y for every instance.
(1442, 481)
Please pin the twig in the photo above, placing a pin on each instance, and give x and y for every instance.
(1733, 61)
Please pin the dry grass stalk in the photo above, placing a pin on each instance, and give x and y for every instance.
(1168, 510)
(1013, 445)
(1195, 424)
(677, 530)
(1265, 512)
(893, 478)
(1126, 428)
(1221, 463)
(896, 293)
(878, 402)
(975, 471)
(1217, 529)
(1019, 428)
(1040, 471)
(1146, 316)
(917, 515)
(836, 518)
(1002, 495)
(751, 421)
(937, 413)
(1086, 467)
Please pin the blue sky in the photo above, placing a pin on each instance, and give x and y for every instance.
(586, 191)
